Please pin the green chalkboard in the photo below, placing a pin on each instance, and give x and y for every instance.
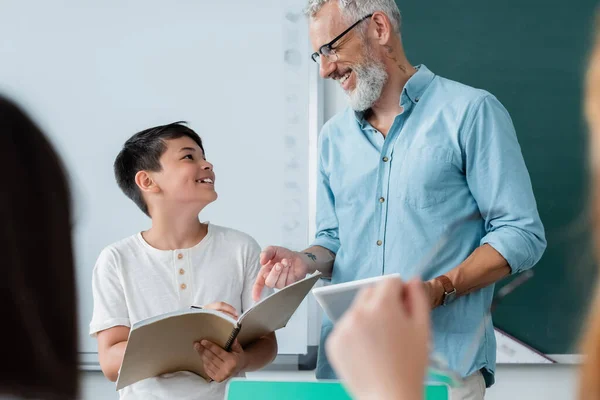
(531, 55)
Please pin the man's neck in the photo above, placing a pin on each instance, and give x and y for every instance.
(383, 113)
(171, 232)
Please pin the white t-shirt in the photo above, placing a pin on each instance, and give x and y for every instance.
(133, 281)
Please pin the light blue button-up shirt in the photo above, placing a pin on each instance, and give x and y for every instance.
(384, 203)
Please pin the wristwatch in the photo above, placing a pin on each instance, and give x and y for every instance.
(449, 289)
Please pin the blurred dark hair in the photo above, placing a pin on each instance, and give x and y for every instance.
(142, 152)
(38, 284)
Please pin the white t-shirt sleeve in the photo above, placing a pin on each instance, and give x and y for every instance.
(251, 269)
(110, 306)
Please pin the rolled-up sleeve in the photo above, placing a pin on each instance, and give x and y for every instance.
(327, 223)
(499, 181)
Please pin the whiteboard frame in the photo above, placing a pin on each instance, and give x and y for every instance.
(569, 359)
(316, 116)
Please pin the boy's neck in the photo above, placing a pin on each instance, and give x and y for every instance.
(171, 233)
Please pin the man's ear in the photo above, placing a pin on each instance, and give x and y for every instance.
(382, 27)
(146, 183)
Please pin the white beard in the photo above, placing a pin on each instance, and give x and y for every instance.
(371, 77)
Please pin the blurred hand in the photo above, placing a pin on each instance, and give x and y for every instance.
(219, 364)
(224, 308)
(280, 267)
(379, 348)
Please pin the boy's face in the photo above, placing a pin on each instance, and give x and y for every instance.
(186, 178)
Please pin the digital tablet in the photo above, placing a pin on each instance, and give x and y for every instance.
(336, 299)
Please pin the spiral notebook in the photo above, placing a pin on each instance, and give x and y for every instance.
(165, 343)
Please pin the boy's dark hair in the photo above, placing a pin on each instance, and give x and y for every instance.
(38, 276)
(142, 152)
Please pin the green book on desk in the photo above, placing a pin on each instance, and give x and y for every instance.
(242, 389)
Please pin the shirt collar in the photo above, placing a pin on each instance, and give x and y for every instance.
(414, 88)
(418, 83)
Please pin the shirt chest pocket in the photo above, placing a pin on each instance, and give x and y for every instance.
(424, 176)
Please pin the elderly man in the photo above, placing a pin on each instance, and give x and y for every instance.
(413, 154)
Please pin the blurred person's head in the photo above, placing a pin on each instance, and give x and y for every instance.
(365, 59)
(38, 283)
(589, 382)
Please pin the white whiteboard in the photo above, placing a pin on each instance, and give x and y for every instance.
(92, 73)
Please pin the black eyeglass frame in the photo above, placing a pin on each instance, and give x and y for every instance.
(327, 49)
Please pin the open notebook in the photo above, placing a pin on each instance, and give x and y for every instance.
(165, 343)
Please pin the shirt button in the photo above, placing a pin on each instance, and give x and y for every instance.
(379, 243)
(385, 159)
(183, 286)
(180, 256)
(381, 199)
(181, 271)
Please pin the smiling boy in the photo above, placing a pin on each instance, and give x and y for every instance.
(177, 263)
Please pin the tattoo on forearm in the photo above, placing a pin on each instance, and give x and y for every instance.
(311, 256)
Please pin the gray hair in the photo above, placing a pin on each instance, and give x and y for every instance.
(353, 10)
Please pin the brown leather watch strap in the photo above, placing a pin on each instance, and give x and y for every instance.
(449, 290)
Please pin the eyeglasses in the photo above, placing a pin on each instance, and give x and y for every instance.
(328, 51)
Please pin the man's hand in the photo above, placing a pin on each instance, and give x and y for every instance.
(224, 308)
(379, 348)
(434, 291)
(219, 364)
(280, 268)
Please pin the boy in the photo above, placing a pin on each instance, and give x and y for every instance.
(177, 263)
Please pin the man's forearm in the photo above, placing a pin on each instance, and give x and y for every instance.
(319, 259)
(482, 268)
(260, 353)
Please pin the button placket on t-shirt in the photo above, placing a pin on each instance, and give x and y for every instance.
(181, 260)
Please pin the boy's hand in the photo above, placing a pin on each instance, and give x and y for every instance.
(280, 267)
(219, 364)
(224, 308)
